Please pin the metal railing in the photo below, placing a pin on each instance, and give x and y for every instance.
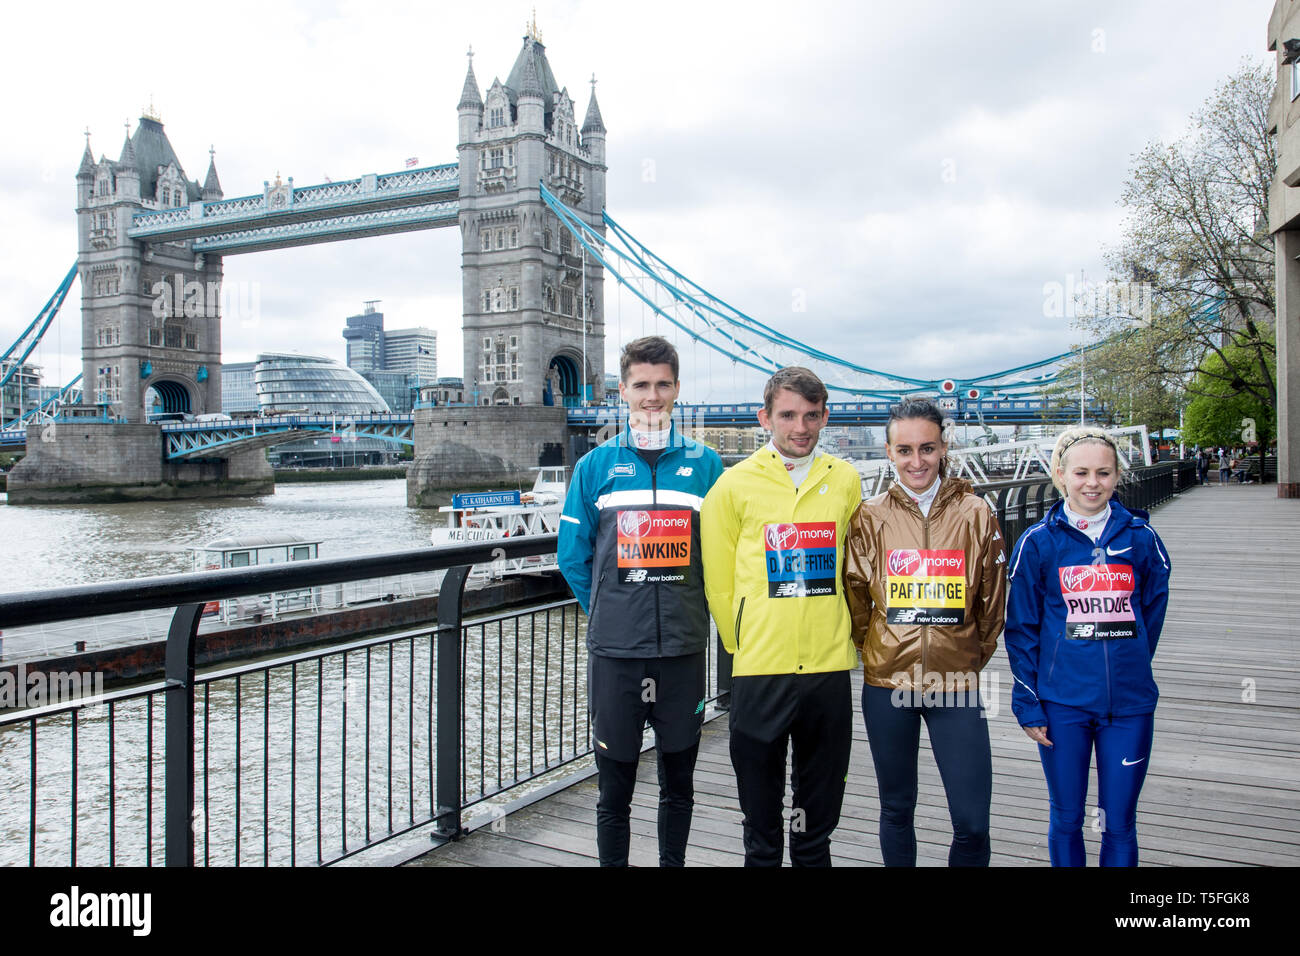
(316, 756)
(1018, 504)
(305, 758)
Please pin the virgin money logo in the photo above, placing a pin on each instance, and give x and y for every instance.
(633, 524)
(904, 562)
(780, 537)
(1096, 577)
(1077, 578)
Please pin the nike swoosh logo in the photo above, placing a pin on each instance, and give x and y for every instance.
(1112, 553)
(1128, 763)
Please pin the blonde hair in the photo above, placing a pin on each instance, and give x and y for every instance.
(1074, 436)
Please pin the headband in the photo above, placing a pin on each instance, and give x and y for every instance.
(1078, 438)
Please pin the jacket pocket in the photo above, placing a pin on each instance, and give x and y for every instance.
(1055, 650)
(595, 595)
(740, 612)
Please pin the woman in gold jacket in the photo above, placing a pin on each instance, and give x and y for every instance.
(925, 576)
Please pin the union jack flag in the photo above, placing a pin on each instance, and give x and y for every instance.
(413, 161)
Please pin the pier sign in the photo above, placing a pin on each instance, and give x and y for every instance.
(485, 499)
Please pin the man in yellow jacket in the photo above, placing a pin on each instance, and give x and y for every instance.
(773, 531)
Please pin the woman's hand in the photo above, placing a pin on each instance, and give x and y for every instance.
(1038, 735)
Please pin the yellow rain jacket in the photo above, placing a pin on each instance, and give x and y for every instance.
(773, 564)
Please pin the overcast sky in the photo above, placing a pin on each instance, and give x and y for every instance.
(911, 174)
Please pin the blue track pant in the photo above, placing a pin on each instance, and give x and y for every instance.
(1123, 752)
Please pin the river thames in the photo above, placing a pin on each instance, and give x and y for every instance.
(58, 545)
(319, 754)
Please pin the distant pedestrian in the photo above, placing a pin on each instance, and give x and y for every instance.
(1225, 467)
(1203, 467)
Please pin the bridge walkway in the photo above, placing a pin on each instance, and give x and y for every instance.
(1224, 783)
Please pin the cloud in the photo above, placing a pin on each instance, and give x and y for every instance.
(910, 176)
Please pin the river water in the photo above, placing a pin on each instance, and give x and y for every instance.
(287, 741)
(44, 546)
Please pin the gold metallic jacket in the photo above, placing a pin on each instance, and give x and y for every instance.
(949, 569)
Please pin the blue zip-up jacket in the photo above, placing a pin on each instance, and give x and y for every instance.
(1083, 619)
(630, 547)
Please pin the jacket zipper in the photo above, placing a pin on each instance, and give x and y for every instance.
(925, 628)
(1109, 534)
(740, 612)
(654, 500)
(1105, 655)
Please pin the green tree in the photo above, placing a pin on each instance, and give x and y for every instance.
(1220, 415)
(1115, 376)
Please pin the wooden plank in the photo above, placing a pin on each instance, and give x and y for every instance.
(1224, 783)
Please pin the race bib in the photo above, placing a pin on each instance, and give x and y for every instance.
(925, 587)
(1098, 601)
(654, 547)
(800, 559)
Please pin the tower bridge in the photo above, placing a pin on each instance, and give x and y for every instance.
(527, 192)
(285, 215)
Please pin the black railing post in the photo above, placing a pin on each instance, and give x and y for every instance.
(448, 692)
(178, 750)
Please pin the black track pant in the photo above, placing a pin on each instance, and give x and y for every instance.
(813, 713)
(676, 800)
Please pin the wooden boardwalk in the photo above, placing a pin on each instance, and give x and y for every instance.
(1224, 784)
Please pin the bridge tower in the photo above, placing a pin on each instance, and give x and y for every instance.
(150, 312)
(526, 286)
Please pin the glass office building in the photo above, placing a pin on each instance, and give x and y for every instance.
(288, 384)
(311, 385)
(238, 393)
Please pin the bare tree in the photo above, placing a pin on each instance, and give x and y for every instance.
(1197, 233)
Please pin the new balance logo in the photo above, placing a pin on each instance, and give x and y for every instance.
(685, 471)
(636, 575)
(907, 616)
(787, 589)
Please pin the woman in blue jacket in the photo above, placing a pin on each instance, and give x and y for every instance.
(1089, 585)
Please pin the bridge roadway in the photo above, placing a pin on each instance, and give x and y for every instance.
(204, 439)
(1224, 783)
(209, 439)
(283, 216)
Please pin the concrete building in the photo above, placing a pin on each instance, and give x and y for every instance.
(364, 335)
(445, 391)
(396, 362)
(1284, 224)
(413, 351)
(22, 392)
(533, 308)
(732, 441)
